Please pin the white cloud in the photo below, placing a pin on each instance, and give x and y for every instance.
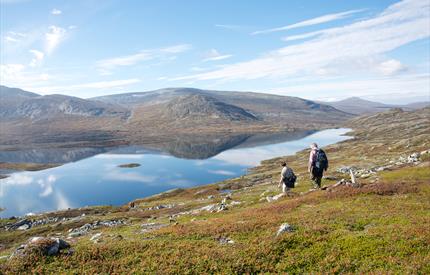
(91, 85)
(314, 21)
(14, 37)
(53, 38)
(303, 36)
(56, 12)
(214, 55)
(10, 39)
(344, 50)
(106, 65)
(391, 67)
(38, 57)
(16, 75)
(406, 88)
(176, 48)
(229, 27)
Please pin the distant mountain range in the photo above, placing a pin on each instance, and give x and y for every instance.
(160, 116)
(358, 106)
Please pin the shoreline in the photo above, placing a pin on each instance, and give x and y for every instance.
(249, 171)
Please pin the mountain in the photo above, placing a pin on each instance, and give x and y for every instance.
(160, 116)
(16, 104)
(358, 106)
(202, 106)
(270, 108)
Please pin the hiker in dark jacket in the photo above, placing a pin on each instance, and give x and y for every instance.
(287, 179)
(318, 163)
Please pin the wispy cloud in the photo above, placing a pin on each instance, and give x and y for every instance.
(37, 58)
(13, 37)
(105, 66)
(229, 27)
(56, 12)
(359, 47)
(393, 88)
(17, 75)
(53, 38)
(314, 21)
(99, 85)
(214, 55)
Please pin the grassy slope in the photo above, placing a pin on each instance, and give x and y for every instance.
(381, 227)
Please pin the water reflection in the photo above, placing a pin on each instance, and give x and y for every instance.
(98, 180)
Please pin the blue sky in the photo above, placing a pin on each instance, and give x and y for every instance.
(324, 50)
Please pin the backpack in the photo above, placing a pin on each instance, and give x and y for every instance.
(291, 180)
(321, 161)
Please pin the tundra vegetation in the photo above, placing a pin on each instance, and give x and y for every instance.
(236, 226)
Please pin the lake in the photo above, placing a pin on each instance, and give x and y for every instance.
(97, 179)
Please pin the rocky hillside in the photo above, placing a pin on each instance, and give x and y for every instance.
(359, 106)
(244, 225)
(271, 108)
(204, 107)
(29, 119)
(19, 104)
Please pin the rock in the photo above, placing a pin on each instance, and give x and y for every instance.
(330, 177)
(222, 207)
(18, 224)
(210, 207)
(234, 203)
(96, 237)
(24, 227)
(46, 246)
(285, 227)
(210, 197)
(365, 176)
(346, 169)
(275, 198)
(224, 240)
(147, 227)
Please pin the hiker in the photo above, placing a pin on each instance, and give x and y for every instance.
(287, 178)
(318, 163)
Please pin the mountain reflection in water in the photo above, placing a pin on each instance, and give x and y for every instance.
(97, 180)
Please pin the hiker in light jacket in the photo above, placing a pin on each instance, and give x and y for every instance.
(318, 163)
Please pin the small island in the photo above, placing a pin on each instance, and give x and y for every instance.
(129, 165)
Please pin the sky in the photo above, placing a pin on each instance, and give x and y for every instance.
(319, 50)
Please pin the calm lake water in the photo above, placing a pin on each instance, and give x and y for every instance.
(97, 180)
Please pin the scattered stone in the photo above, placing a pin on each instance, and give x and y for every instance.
(233, 203)
(96, 238)
(222, 207)
(285, 227)
(330, 178)
(346, 169)
(147, 227)
(24, 227)
(161, 206)
(44, 245)
(275, 198)
(83, 230)
(225, 240)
